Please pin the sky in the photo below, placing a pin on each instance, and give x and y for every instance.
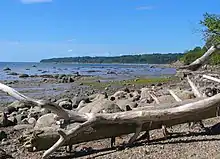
(31, 30)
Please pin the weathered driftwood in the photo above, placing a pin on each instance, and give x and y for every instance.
(115, 124)
(211, 78)
(200, 61)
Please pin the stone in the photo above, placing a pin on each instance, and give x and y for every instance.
(77, 100)
(23, 75)
(23, 126)
(66, 105)
(70, 80)
(13, 73)
(47, 120)
(6, 69)
(17, 104)
(61, 76)
(10, 109)
(32, 121)
(3, 135)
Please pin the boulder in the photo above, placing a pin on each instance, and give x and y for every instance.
(6, 69)
(13, 73)
(23, 75)
(47, 120)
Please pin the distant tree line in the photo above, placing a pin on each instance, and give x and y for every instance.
(140, 59)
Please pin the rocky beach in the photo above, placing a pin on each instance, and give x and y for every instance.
(71, 90)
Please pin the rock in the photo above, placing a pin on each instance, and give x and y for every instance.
(44, 72)
(4, 155)
(23, 75)
(46, 120)
(18, 105)
(47, 76)
(21, 117)
(13, 73)
(62, 99)
(120, 94)
(34, 66)
(66, 105)
(126, 105)
(6, 69)
(111, 72)
(12, 121)
(70, 80)
(23, 126)
(76, 100)
(36, 112)
(3, 135)
(32, 121)
(159, 84)
(10, 110)
(183, 74)
(61, 76)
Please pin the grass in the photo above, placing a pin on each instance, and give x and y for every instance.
(138, 81)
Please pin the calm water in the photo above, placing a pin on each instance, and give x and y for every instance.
(122, 71)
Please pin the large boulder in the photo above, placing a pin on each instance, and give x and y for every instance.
(47, 120)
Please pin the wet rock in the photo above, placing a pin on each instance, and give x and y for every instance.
(6, 69)
(47, 76)
(44, 72)
(111, 72)
(66, 105)
(3, 135)
(23, 75)
(13, 73)
(34, 66)
(159, 84)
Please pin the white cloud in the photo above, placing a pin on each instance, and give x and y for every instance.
(70, 50)
(35, 1)
(145, 8)
(71, 40)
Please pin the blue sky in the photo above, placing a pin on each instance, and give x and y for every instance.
(31, 30)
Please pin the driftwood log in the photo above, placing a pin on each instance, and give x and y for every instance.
(120, 123)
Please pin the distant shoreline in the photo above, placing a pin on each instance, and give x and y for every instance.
(125, 59)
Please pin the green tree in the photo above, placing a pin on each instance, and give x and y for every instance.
(211, 31)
